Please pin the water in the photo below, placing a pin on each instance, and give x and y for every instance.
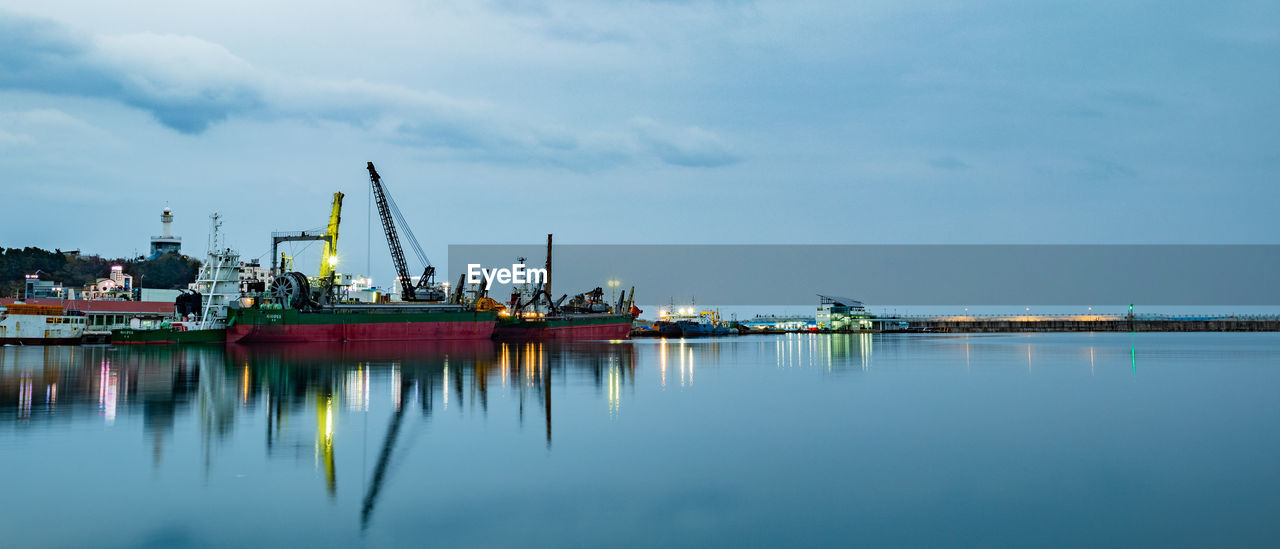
(799, 440)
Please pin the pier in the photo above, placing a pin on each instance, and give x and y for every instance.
(1078, 323)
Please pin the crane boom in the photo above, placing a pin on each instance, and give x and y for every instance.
(329, 260)
(407, 288)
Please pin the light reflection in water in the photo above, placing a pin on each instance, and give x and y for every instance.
(223, 387)
(24, 396)
(324, 441)
(662, 361)
(107, 391)
(615, 389)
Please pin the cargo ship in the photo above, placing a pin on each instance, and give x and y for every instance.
(300, 309)
(24, 324)
(531, 315)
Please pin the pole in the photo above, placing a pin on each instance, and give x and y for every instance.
(547, 288)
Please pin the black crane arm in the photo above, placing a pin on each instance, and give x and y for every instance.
(407, 289)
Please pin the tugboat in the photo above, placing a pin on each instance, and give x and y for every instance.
(532, 315)
(201, 313)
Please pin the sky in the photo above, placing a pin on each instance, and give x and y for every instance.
(634, 121)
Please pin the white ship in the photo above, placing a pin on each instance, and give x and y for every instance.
(23, 324)
(201, 311)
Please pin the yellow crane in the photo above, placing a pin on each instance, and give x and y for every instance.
(329, 260)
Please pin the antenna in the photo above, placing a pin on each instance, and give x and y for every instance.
(215, 239)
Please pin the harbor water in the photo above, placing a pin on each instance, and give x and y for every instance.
(1058, 439)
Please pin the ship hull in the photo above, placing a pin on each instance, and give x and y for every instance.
(24, 328)
(290, 326)
(39, 341)
(129, 336)
(568, 328)
(684, 328)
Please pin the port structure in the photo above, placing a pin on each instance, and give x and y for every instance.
(328, 259)
(278, 261)
(389, 213)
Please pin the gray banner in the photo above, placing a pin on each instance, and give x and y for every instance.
(903, 274)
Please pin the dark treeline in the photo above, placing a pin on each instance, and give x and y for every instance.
(169, 271)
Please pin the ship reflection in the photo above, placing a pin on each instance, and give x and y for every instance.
(429, 376)
(307, 397)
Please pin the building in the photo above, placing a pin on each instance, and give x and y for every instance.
(166, 242)
(116, 286)
(784, 323)
(37, 288)
(842, 314)
(254, 278)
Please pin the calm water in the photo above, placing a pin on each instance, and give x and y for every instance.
(886, 440)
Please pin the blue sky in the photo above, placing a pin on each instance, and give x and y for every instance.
(642, 121)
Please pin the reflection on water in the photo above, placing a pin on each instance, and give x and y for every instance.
(372, 432)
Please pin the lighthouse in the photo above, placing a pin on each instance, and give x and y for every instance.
(166, 242)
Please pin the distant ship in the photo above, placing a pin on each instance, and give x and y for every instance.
(689, 322)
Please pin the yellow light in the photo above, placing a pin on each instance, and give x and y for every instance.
(333, 261)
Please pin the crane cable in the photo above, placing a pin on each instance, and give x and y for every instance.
(404, 226)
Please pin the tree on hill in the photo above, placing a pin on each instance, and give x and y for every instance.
(169, 271)
(172, 271)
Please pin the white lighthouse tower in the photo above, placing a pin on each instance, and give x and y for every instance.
(166, 242)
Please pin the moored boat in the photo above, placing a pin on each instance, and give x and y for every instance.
(531, 315)
(689, 322)
(200, 313)
(565, 326)
(23, 324)
(154, 331)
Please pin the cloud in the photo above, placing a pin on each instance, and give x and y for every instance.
(687, 146)
(185, 82)
(571, 32)
(948, 163)
(30, 127)
(189, 84)
(1097, 169)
